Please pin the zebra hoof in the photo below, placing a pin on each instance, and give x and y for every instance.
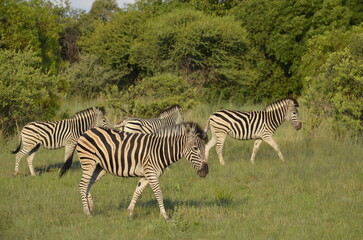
(130, 214)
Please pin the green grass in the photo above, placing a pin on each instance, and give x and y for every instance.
(317, 193)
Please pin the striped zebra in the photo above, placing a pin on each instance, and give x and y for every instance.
(146, 156)
(170, 116)
(259, 125)
(56, 134)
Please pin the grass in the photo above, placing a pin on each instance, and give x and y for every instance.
(317, 193)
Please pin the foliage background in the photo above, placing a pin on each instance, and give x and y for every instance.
(252, 51)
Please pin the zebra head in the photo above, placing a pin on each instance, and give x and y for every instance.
(100, 118)
(194, 150)
(292, 114)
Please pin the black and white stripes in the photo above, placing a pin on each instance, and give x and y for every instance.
(169, 117)
(146, 156)
(259, 125)
(56, 134)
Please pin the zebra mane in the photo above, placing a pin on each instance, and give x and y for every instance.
(282, 102)
(182, 128)
(167, 111)
(88, 110)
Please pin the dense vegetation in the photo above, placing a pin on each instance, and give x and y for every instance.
(188, 51)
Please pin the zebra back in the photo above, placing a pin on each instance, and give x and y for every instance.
(56, 134)
(168, 117)
(282, 104)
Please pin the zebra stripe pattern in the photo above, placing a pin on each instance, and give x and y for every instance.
(169, 117)
(259, 125)
(56, 134)
(146, 156)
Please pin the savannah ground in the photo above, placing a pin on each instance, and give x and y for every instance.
(317, 193)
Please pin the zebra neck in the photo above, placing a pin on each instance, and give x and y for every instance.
(170, 151)
(80, 125)
(275, 118)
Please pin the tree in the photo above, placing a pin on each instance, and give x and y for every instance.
(112, 42)
(89, 77)
(25, 24)
(279, 30)
(26, 93)
(206, 50)
(334, 82)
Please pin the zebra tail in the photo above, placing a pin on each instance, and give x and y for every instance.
(17, 149)
(66, 166)
(206, 127)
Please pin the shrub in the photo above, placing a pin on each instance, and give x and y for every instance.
(90, 77)
(336, 91)
(152, 95)
(26, 92)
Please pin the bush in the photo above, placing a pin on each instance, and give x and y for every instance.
(89, 77)
(208, 51)
(26, 93)
(336, 91)
(152, 95)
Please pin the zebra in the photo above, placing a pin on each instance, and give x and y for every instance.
(258, 125)
(146, 156)
(56, 134)
(168, 117)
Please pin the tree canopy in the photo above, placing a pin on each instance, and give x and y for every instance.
(239, 51)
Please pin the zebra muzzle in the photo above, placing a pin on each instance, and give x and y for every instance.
(298, 125)
(203, 171)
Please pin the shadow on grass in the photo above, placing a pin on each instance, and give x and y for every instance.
(55, 167)
(169, 204)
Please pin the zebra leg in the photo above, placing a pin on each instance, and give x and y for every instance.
(274, 145)
(69, 150)
(30, 159)
(220, 142)
(256, 146)
(85, 185)
(97, 175)
(210, 144)
(143, 182)
(19, 156)
(155, 186)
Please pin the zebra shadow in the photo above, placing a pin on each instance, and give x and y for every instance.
(55, 167)
(173, 204)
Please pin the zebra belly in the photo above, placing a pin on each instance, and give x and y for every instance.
(243, 136)
(124, 168)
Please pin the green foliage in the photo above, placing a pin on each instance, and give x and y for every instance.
(279, 31)
(26, 93)
(103, 9)
(25, 24)
(207, 50)
(153, 95)
(111, 42)
(89, 77)
(335, 90)
(229, 51)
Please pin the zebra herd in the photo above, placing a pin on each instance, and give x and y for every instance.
(144, 148)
